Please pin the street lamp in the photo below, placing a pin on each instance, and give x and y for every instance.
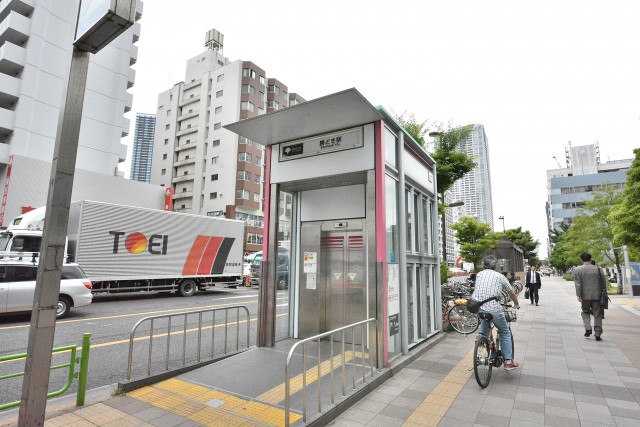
(444, 228)
(502, 218)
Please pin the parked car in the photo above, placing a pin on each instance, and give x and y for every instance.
(18, 285)
(282, 270)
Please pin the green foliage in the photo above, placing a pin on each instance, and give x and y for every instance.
(475, 238)
(568, 277)
(625, 217)
(525, 241)
(444, 272)
(452, 164)
(416, 129)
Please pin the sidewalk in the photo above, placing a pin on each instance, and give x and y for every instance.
(564, 380)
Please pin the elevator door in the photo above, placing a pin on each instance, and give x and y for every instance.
(344, 274)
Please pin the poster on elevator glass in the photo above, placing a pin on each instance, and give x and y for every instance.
(311, 281)
(393, 289)
(310, 262)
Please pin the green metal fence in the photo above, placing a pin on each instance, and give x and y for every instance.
(81, 375)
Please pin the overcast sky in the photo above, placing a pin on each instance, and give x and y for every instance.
(536, 74)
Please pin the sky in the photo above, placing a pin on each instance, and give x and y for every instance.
(539, 75)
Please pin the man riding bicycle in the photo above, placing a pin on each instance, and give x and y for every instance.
(490, 283)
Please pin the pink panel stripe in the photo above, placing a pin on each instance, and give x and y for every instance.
(381, 224)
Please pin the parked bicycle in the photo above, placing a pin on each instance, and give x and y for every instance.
(487, 353)
(455, 313)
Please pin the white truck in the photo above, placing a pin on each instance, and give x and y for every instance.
(127, 249)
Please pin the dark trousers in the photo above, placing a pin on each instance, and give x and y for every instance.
(592, 308)
(533, 292)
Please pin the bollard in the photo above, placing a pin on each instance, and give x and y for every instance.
(84, 369)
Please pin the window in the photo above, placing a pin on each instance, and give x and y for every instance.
(218, 110)
(219, 94)
(249, 89)
(214, 177)
(274, 89)
(248, 72)
(215, 160)
(258, 179)
(242, 194)
(168, 113)
(244, 176)
(247, 106)
(273, 104)
(164, 156)
(244, 141)
(284, 94)
(166, 141)
(213, 195)
(258, 160)
(261, 96)
(260, 110)
(167, 126)
(215, 142)
(221, 77)
(216, 126)
(262, 80)
(163, 172)
(256, 197)
(215, 213)
(244, 157)
(184, 189)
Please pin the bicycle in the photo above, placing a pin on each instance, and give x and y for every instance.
(487, 353)
(455, 313)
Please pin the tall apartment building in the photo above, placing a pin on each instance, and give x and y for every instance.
(213, 171)
(569, 187)
(142, 153)
(474, 189)
(36, 43)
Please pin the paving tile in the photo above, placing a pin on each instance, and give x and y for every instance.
(385, 421)
(454, 422)
(624, 412)
(169, 420)
(397, 412)
(626, 422)
(492, 420)
(134, 407)
(557, 421)
(522, 415)
(415, 394)
(560, 403)
(461, 414)
(560, 412)
(151, 414)
(406, 402)
(590, 399)
(358, 415)
(342, 422)
(370, 405)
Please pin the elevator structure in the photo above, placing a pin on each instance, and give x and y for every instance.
(351, 224)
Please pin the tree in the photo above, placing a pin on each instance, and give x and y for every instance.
(625, 216)
(475, 238)
(416, 129)
(525, 241)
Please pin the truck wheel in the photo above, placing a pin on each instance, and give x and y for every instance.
(187, 288)
(282, 283)
(63, 307)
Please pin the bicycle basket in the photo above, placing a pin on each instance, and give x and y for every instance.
(460, 301)
(510, 316)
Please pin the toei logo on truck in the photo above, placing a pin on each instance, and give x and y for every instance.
(137, 243)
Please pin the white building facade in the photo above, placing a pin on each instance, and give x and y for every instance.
(36, 43)
(210, 170)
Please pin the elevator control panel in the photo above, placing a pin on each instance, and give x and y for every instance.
(342, 224)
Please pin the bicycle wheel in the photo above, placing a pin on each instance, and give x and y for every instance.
(482, 362)
(462, 320)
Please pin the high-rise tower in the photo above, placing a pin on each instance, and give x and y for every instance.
(143, 147)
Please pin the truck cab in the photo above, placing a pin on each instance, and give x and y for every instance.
(24, 234)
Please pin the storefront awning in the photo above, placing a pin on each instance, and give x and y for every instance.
(341, 110)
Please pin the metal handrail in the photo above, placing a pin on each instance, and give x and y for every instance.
(82, 373)
(316, 338)
(185, 315)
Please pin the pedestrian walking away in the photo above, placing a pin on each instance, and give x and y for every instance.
(490, 283)
(533, 284)
(587, 279)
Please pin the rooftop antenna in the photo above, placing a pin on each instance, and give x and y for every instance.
(214, 40)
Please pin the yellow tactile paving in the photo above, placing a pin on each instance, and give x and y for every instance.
(67, 420)
(431, 411)
(190, 401)
(100, 413)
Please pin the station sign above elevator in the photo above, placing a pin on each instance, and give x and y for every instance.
(327, 143)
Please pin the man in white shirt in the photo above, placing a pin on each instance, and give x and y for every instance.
(533, 283)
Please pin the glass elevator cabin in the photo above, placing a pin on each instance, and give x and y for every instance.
(351, 229)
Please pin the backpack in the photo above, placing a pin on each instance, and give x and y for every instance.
(473, 305)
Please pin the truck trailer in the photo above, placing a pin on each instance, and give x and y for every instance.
(128, 249)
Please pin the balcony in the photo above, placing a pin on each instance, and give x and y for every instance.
(131, 79)
(183, 195)
(189, 161)
(7, 122)
(23, 7)
(139, 9)
(15, 29)
(188, 115)
(183, 178)
(187, 131)
(185, 146)
(128, 101)
(9, 89)
(136, 33)
(191, 100)
(191, 85)
(126, 126)
(12, 58)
